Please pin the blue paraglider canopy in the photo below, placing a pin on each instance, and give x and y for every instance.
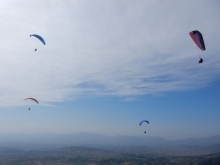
(39, 37)
(143, 121)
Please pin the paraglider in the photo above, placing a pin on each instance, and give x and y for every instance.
(142, 122)
(198, 39)
(201, 60)
(40, 38)
(31, 99)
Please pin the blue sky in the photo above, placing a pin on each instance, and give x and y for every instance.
(109, 64)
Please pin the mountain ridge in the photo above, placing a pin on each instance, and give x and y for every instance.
(85, 138)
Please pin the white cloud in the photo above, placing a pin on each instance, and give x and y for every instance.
(119, 48)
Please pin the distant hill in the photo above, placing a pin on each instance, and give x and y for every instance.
(98, 139)
(8, 150)
(199, 141)
(78, 149)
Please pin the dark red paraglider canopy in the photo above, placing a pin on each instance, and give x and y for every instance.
(32, 99)
(198, 39)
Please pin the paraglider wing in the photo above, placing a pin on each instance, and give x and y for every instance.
(143, 121)
(198, 39)
(32, 99)
(39, 37)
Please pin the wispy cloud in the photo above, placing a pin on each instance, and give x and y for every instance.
(94, 48)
